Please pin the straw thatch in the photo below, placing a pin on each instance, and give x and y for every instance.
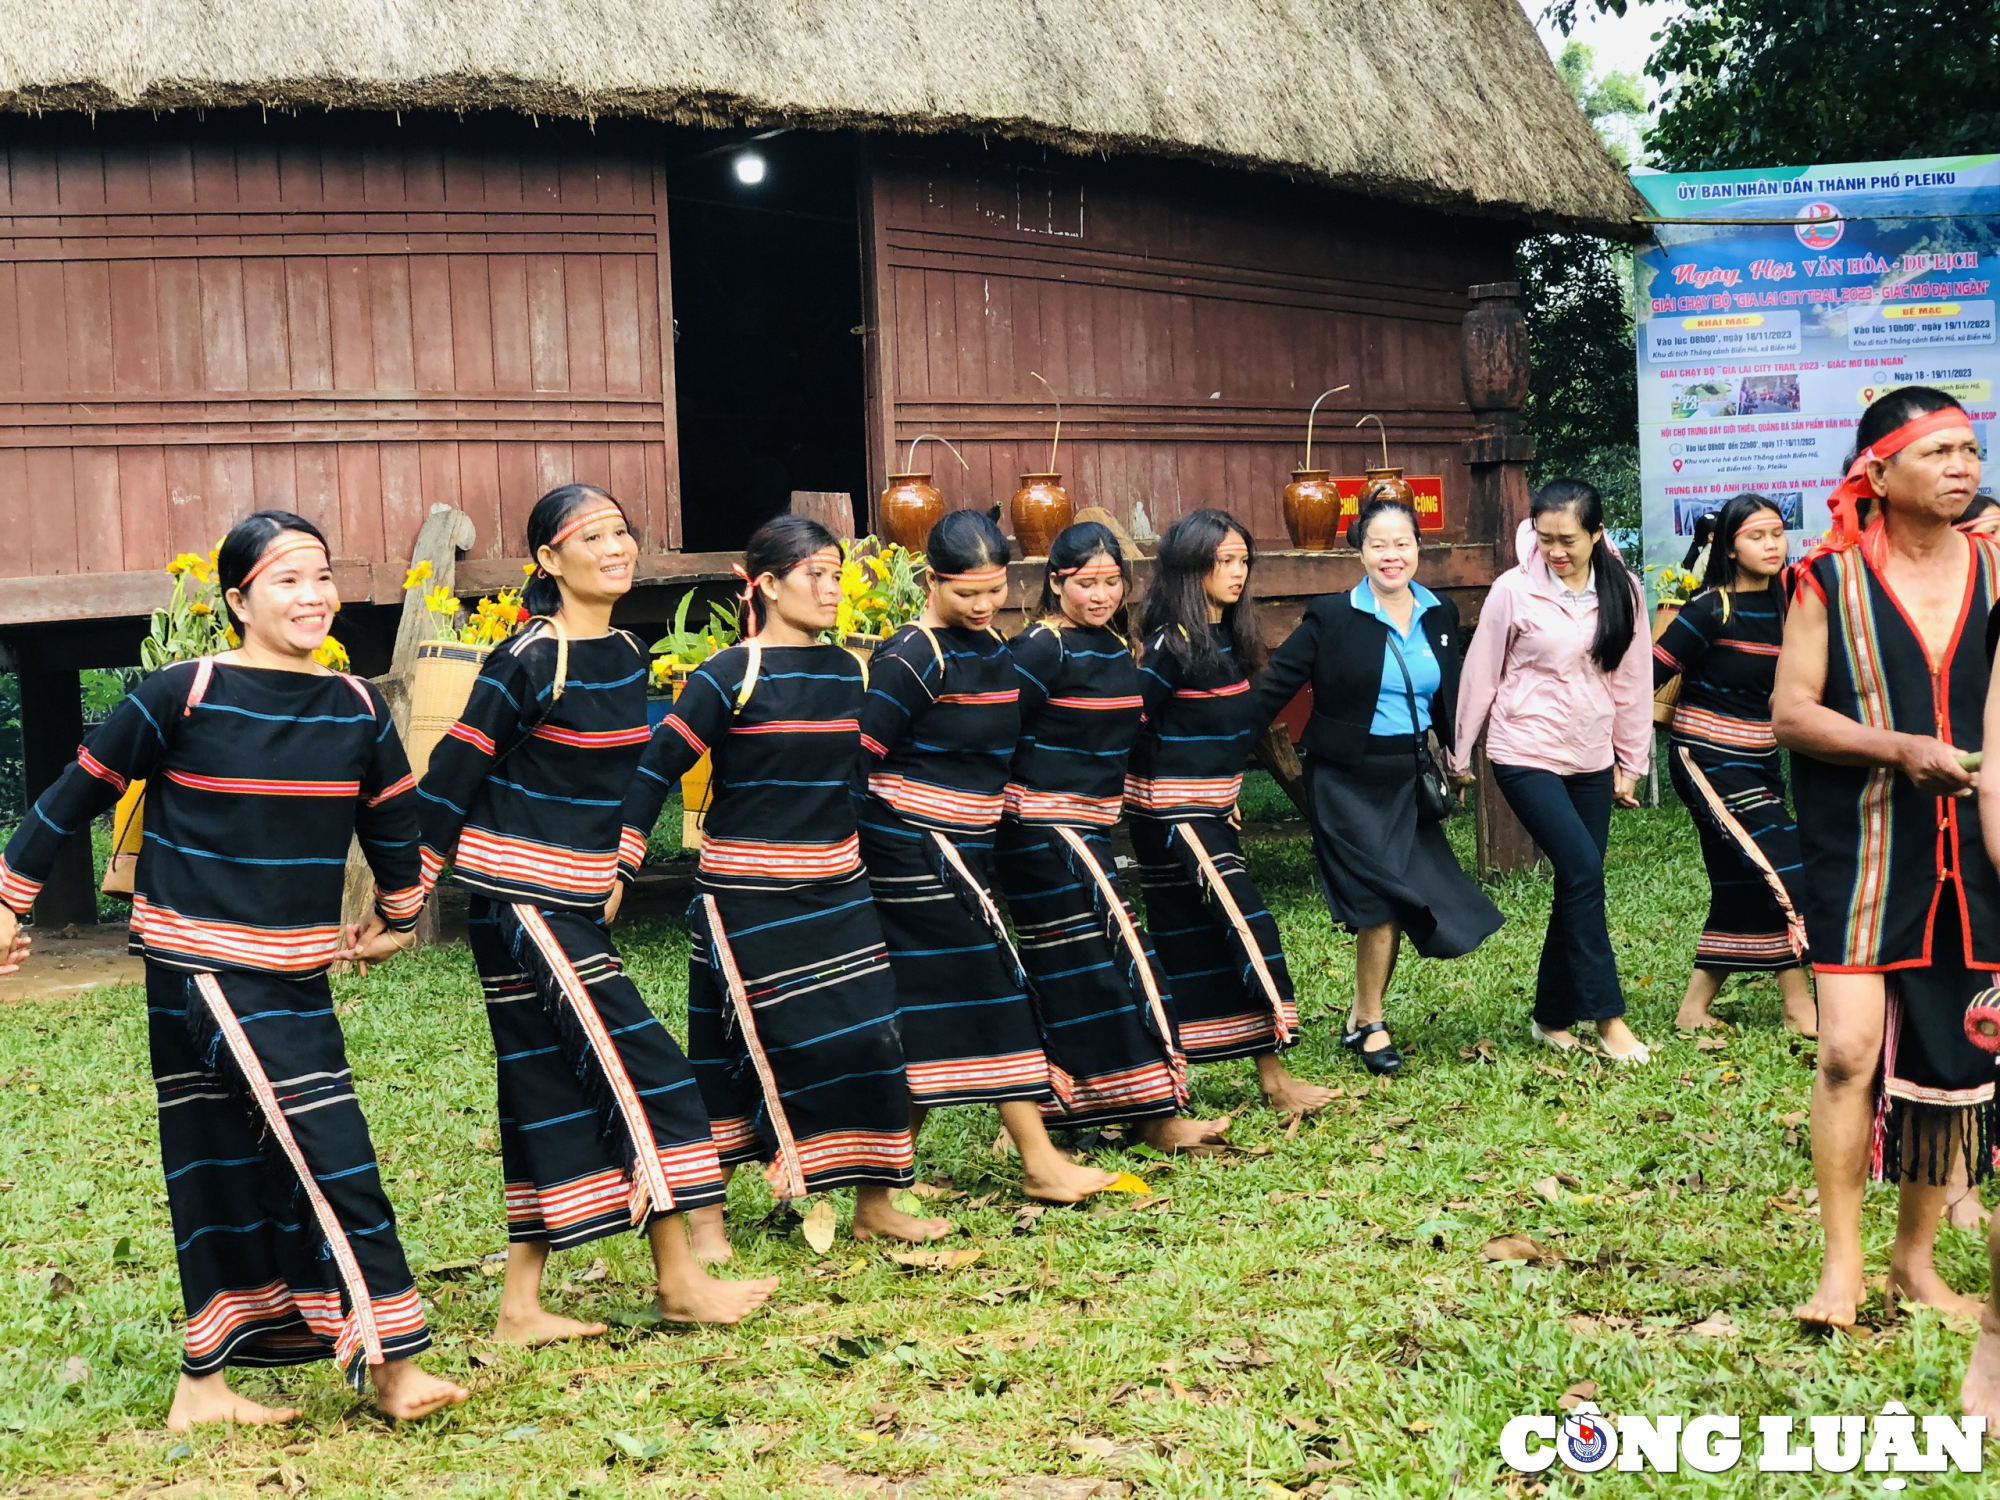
(1445, 102)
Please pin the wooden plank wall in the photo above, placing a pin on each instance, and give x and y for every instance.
(202, 320)
(1187, 317)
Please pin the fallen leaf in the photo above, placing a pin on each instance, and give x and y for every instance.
(1026, 1214)
(884, 1417)
(1377, 1151)
(1583, 1325)
(482, 1359)
(1549, 1188)
(1796, 1118)
(1710, 1043)
(1508, 1247)
(1576, 1395)
(597, 1272)
(1092, 1447)
(1128, 1182)
(1003, 1146)
(1420, 1426)
(818, 1225)
(76, 1370)
(59, 1285)
(1715, 1326)
(934, 1260)
(933, 1191)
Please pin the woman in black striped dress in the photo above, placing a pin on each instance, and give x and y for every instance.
(1217, 940)
(791, 1002)
(1723, 645)
(260, 767)
(942, 716)
(1107, 1016)
(601, 1126)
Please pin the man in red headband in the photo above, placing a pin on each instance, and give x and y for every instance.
(1880, 692)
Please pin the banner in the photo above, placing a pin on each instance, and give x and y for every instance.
(1759, 344)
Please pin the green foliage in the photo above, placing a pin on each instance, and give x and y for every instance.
(1755, 83)
(682, 647)
(195, 621)
(1310, 1309)
(1583, 395)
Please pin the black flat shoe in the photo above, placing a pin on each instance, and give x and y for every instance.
(1382, 1059)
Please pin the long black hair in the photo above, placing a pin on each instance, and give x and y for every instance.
(1617, 590)
(1177, 605)
(1717, 531)
(247, 541)
(777, 547)
(543, 595)
(1075, 547)
(965, 541)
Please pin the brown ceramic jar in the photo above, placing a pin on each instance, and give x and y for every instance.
(1388, 484)
(908, 509)
(1312, 509)
(1041, 509)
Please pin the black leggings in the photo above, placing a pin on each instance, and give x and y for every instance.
(1570, 818)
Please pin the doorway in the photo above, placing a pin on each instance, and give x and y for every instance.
(765, 259)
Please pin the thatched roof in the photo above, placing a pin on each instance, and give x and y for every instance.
(1445, 102)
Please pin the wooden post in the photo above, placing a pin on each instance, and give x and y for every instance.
(1495, 366)
(833, 509)
(445, 533)
(51, 729)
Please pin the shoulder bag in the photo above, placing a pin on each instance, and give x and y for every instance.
(1434, 799)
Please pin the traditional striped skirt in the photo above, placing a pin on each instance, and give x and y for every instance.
(1935, 1096)
(601, 1125)
(286, 1241)
(1750, 847)
(1217, 942)
(1107, 1025)
(969, 1031)
(792, 1033)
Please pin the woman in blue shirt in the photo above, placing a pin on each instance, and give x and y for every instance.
(1383, 662)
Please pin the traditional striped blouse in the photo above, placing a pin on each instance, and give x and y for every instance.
(1080, 709)
(1726, 666)
(941, 724)
(1196, 739)
(522, 796)
(252, 795)
(786, 763)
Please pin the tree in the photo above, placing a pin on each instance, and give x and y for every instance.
(1763, 83)
(1583, 397)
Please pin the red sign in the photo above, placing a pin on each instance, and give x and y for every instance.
(1430, 499)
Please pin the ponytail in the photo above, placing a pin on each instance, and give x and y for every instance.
(1617, 604)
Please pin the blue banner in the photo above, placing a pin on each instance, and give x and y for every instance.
(1759, 343)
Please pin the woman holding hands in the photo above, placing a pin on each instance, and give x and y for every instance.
(1556, 681)
(1383, 660)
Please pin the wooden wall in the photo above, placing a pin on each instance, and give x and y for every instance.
(348, 320)
(1187, 318)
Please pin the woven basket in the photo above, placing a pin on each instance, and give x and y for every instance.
(440, 683)
(694, 789)
(1667, 696)
(128, 826)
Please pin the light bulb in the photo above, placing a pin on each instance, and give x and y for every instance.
(749, 169)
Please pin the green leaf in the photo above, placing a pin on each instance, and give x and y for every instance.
(121, 1253)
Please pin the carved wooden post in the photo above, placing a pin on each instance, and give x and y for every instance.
(1497, 458)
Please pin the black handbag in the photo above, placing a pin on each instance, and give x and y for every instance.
(1434, 799)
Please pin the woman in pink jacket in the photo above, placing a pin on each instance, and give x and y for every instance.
(1555, 679)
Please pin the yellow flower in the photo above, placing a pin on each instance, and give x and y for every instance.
(185, 562)
(331, 654)
(420, 574)
(528, 568)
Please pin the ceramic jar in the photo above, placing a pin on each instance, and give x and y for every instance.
(908, 509)
(1041, 509)
(1312, 509)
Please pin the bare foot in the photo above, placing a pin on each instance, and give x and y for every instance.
(710, 1236)
(532, 1327)
(1833, 1303)
(1696, 1016)
(208, 1398)
(1979, 1392)
(875, 1215)
(1966, 1211)
(1292, 1095)
(1065, 1181)
(405, 1392)
(701, 1298)
(1923, 1286)
(1174, 1133)
(1802, 1017)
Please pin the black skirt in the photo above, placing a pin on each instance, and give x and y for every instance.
(1378, 864)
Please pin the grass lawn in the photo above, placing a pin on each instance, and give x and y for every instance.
(1313, 1311)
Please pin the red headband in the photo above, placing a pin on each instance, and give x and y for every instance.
(1845, 502)
(577, 523)
(978, 575)
(748, 595)
(1091, 569)
(284, 544)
